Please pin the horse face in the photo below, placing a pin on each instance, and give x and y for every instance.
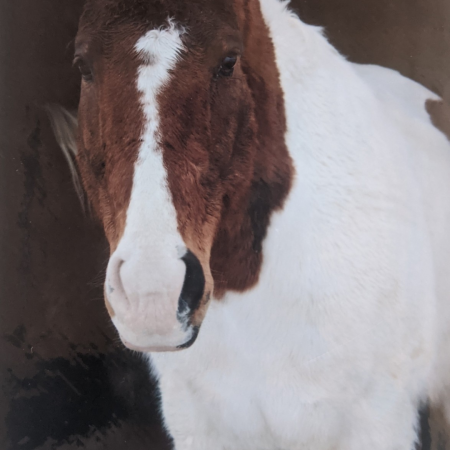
(167, 154)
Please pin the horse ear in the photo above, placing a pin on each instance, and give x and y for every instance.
(65, 124)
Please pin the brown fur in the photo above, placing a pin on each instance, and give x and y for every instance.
(110, 122)
(222, 137)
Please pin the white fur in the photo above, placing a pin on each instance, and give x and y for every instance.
(344, 336)
(145, 273)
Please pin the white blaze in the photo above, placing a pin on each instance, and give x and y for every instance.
(145, 272)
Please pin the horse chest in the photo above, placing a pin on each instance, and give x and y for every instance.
(245, 387)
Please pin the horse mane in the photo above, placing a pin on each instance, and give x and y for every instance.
(65, 124)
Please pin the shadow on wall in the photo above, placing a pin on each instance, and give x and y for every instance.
(80, 398)
(412, 37)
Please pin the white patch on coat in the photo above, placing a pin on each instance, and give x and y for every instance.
(343, 336)
(145, 271)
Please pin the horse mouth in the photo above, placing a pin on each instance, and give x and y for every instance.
(193, 338)
(150, 349)
(159, 349)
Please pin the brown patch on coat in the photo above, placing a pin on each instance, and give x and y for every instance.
(222, 138)
(439, 112)
(223, 145)
(110, 120)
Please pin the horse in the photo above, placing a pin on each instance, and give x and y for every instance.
(278, 219)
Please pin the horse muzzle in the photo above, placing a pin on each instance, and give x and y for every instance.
(152, 298)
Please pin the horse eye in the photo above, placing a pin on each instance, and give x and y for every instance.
(83, 67)
(227, 66)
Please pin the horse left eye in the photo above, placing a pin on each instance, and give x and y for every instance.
(84, 68)
(227, 66)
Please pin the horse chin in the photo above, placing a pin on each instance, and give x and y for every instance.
(174, 340)
(148, 349)
(160, 348)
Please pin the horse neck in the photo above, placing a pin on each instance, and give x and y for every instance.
(309, 71)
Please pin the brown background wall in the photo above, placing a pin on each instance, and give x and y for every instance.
(66, 382)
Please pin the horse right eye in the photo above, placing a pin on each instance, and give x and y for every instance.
(84, 68)
(227, 66)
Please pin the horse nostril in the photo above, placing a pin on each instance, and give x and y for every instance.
(193, 286)
(114, 285)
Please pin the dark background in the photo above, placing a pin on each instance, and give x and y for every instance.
(66, 382)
